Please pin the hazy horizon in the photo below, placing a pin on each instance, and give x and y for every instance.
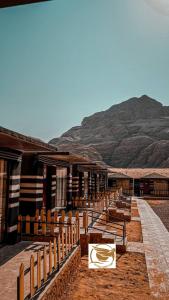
(61, 61)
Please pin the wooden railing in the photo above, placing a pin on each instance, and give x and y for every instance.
(49, 258)
(97, 201)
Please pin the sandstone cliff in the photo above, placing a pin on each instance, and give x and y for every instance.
(134, 133)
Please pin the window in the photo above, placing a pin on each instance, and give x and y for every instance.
(61, 187)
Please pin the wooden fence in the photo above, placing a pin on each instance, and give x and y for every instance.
(49, 259)
(97, 201)
(45, 223)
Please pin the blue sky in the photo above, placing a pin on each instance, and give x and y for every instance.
(66, 59)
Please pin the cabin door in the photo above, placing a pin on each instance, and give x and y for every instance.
(146, 187)
(3, 199)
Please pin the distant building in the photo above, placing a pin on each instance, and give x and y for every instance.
(141, 182)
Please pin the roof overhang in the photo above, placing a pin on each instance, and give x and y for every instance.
(67, 158)
(16, 141)
(8, 3)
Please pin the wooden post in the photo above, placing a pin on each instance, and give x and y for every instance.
(37, 213)
(50, 257)
(89, 197)
(49, 219)
(55, 218)
(60, 226)
(32, 283)
(19, 224)
(44, 264)
(36, 225)
(70, 215)
(27, 224)
(74, 234)
(21, 282)
(52, 227)
(77, 226)
(55, 253)
(43, 225)
(66, 245)
(63, 245)
(39, 269)
(42, 213)
(63, 216)
(68, 236)
(59, 258)
(85, 221)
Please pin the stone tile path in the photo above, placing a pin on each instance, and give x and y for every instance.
(9, 270)
(135, 247)
(135, 219)
(156, 246)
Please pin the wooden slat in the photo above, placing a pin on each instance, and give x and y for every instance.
(27, 224)
(50, 257)
(43, 225)
(39, 269)
(19, 223)
(32, 282)
(21, 282)
(36, 225)
(63, 245)
(55, 253)
(59, 256)
(44, 265)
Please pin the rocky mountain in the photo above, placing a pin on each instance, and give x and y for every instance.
(134, 133)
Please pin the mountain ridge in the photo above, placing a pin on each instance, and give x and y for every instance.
(133, 133)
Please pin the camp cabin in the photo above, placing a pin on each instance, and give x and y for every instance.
(140, 182)
(34, 175)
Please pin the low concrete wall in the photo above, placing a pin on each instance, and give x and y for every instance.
(66, 274)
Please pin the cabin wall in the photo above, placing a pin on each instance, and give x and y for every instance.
(13, 199)
(33, 181)
(69, 187)
(10, 168)
(156, 187)
(126, 184)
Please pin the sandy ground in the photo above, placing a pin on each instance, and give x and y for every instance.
(134, 212)
(128, 281)
(161, 208)
(134, 233)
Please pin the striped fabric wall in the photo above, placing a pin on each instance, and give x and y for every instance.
(69, 187)
(13, 199)
(75, 186)
(75, 181)
(93, 183)
(102, 182)
(53, 191)
(82, 185)
(31, 194)
(97, 183)
(89, 184)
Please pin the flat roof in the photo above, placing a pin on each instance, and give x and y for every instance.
(138, 173)
(17, 141)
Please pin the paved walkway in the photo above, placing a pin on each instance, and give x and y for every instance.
(9, 268)
(156, 246)
(135, 247)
